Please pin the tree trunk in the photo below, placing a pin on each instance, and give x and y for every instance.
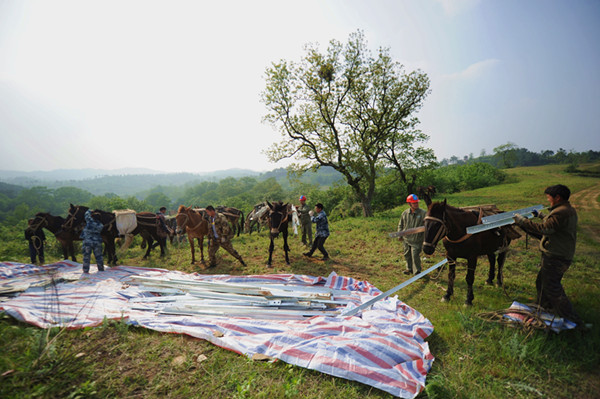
(366, 207)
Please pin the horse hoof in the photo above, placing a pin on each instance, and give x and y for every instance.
(445, 299)
(489, 282)
(499, 284)
(468, 304)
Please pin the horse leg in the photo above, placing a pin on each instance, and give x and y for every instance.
(451, 276)
(471, 266)
(501, 260)
(271, 246)
(150, 241)
(201, 245)
(163, 243)
(71, 248)
(191, 241)
(286, 247)
(492, 272)
(112, 252)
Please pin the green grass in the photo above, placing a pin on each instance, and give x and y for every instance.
(474, 358)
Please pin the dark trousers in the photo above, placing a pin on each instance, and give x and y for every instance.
(318, 243)
(36, 250)
(550, 292)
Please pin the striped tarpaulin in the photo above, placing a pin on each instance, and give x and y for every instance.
(383, 347)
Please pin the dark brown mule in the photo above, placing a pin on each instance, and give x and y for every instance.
(449, 224)
(278, 217)
(235, 217)
(196, 225)
(76, 218)
(64, 236)
(150, 229)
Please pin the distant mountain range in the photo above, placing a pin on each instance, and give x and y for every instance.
(132, 181)
(18, 177)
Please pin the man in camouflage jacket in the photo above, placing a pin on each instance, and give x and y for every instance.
(92, 241)
(220, 234)
(305, 222)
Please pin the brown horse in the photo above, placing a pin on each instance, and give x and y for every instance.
(278, 217)
(64, 236)
(196, 226)
(235, 217)
(76, 218)
(449, 224)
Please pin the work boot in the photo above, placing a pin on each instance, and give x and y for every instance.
(407, 272)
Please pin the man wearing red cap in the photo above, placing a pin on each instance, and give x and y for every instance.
(305, 222)
(413, 244)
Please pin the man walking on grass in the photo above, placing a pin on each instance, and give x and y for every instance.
(322, 231)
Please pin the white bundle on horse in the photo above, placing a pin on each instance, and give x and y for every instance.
(295, 219)
(126, 222)
(260, 212)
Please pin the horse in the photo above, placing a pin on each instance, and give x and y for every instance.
(76, 218)
(278, 218)
(150, 229)
(54, 225)
(235, 217)
(257, 217)
(449, 224)
(196, 226)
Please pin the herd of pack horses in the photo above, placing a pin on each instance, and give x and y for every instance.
(443, 223)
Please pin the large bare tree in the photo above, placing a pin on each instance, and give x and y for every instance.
(346, 109)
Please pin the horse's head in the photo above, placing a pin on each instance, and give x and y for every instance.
(182, 218)
(40, 220)
(278, 217)
(75, 216)
(435, 226)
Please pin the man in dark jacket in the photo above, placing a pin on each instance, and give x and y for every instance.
(36, 237)
(558, 233)
(322, 231)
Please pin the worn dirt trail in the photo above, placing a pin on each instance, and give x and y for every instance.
(586, 202)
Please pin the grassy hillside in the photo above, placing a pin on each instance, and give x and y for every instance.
(474, 358)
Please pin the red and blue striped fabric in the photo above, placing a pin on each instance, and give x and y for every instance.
(383, 347)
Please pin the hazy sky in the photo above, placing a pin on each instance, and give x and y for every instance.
(175, 86)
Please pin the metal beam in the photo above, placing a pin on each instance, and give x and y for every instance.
(509, 215)
(407, 232)
(352, 312)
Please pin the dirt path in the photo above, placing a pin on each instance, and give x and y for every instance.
(586, 202)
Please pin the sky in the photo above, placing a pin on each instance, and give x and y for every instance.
(175, 86)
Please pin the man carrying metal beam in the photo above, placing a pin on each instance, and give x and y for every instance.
(413, 244)
(558, 233)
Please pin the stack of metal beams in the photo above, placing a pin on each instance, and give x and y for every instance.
(209, 298)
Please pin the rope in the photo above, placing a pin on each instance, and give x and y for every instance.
(35, 240)
(532, 322)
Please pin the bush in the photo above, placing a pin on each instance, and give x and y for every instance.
(454, 178)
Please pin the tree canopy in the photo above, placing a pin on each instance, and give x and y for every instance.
(348, 110)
